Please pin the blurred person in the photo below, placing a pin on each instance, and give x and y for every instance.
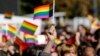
(82, 30)
(68, 30)
(3, 49)
(89, 39)
(13, 51)
(89, 51)
(10, 50)
(80, 35)
(97, 44)
(63, 36)
(67, 38)
(80, 40)
(52, 34)
(68, 50)
(66, 35)
(45, 29)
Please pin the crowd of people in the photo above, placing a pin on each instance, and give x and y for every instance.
(83, 42)
(73, 43)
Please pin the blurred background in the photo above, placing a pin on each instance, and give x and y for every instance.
(72, 8)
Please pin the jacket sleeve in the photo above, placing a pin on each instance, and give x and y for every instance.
(43, 54)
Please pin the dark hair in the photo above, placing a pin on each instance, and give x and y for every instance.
(89, 34)
(81, 26)
(48, 26)
(97, 34)
(66, 26)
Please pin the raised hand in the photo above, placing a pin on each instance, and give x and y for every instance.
(52, 34)
(77, 39)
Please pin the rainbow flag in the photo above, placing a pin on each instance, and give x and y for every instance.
(30, 38)
(57, 42)
(4, 31)
(95, 25)
(11, 32)
(28, 28)
(43, 11)
(8, 15)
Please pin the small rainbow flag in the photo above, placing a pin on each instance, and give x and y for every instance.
(4, 31)
(43, 11)
(30, 38)
(28, 28)
(11, 31)
(95, 25)
(57, 42)
(8, 15)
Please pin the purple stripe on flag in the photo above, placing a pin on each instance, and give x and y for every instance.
(38, 17)
(30, 41)
(25, 31)
(11, 36)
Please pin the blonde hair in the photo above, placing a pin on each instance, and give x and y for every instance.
(67, 48)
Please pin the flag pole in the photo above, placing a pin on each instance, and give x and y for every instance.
(95, 8)
(53, 17)
(53, 8)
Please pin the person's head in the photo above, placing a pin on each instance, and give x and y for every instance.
(81, 28)
(45, 29)
(88, 51)
(61, 37)
(67, 28)
(69, 50)
(89, 37)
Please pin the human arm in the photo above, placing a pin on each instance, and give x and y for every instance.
(98, 46)
(77, 39)
(51, 35)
